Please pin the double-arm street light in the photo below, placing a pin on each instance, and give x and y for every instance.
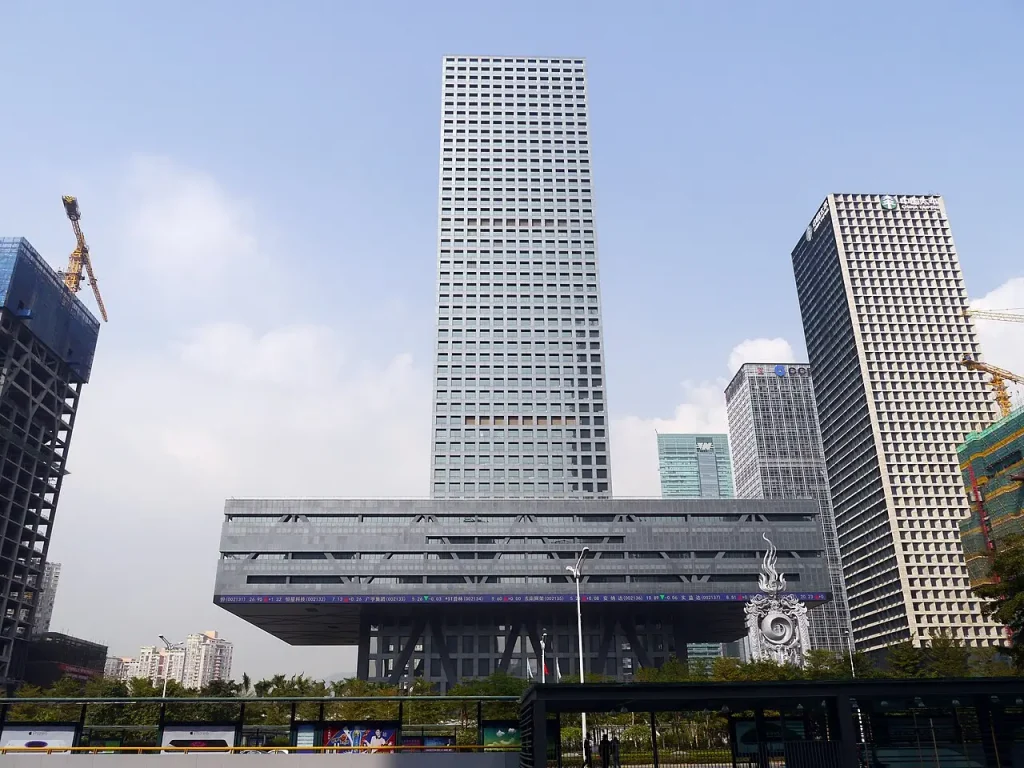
(576, 570)
(167, 666)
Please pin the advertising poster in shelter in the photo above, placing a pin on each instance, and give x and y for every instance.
(38, 738)
(209, 739)
(361, 737)
(501, 735)
(442, 743)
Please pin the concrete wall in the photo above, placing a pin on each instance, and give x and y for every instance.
(219, 760)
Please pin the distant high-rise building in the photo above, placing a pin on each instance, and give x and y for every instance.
(519, 381)
(695, 466)
(47, 594)
(203, 658)
(47, 340)
(207, 658)
(882, 300)
(777, 454)
(119, 668)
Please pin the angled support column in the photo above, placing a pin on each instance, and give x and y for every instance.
(441, 647)
(515, 628)
(629, 627)
(607, 636)
(403, 658)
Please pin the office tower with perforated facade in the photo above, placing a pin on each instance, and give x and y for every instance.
(519, 384)
(777, 454)
(882, 300)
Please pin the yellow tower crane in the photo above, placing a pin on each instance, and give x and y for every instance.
(79, 258)
(998, 383)
(1005, 315)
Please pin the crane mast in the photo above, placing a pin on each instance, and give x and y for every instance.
(79, 257)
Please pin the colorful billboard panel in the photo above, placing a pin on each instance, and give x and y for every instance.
(361, 738)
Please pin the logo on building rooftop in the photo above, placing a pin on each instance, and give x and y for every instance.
(888, 202)
(780, 370)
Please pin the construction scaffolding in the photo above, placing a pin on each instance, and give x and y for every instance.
(992, 463)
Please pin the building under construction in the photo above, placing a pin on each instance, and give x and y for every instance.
(47, 341)
(992, 463)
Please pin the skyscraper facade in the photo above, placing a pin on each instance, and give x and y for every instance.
(777, 454)
(882, 301)
(519, 383)
(47, 341)
(47, 594)
(695, 466)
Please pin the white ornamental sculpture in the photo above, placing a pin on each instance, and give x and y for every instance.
(776, 623)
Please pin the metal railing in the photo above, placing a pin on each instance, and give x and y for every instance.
(134, 725)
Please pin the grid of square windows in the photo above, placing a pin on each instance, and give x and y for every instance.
(777, 454)
(519, 406)
(888, 340)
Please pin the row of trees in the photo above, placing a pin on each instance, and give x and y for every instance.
(942, 657)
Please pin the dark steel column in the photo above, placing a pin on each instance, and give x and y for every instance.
(847, 731)
(415, 632)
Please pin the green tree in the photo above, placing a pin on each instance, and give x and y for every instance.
(765, 669)
(672, 671)
(904, 660)
(990, 662)
(826, 665)
(945, 656)
(1005, 595)
(725, 669)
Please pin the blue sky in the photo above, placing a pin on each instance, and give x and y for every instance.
(259, 186)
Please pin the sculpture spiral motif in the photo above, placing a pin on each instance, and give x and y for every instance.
(777, 628)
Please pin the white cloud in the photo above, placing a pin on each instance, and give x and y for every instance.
(184, 228)
(634, 440)
(775, 350)
(199, 410)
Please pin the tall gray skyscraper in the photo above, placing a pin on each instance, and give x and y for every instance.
(777, 454)
(882, 300)
(519, 385)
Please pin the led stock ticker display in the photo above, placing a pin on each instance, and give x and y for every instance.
(658, 597)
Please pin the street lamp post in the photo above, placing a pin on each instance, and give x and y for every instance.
(575, 570)
(853, 673)
(543, 657)
(849, 647)
(170, 647)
